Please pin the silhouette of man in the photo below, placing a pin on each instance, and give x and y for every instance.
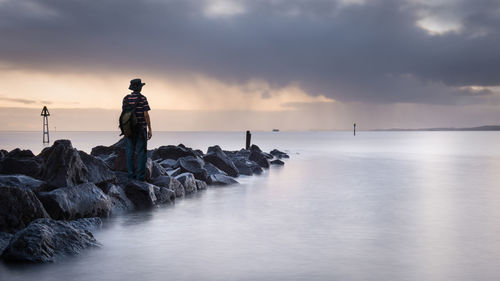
(138, 143)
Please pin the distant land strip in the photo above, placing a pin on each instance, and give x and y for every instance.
(481, 128)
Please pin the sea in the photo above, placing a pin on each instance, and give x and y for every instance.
(375, 206)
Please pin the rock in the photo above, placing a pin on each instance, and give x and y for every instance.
(220, 180)
(44, 240)
(172, 152)
(243, 153)
(21, 162)
(279, 154)
(62, 165)
(174, 172)
(73, 202)
(212, 170)
(168, 163)
(114, 156)
(254, 147)
(18, 207)
(277, 162)
(22, 181)
(200, 185)
(164, 195)
(142, 194)
(149, 168)
(247, 167)
(259, 158)
(193, 165)
(119, 200)
(98, 170)
(122, 178)
(4, 241)
(218, 158)
(157, 170)
(3, 152)
(170, 183)
(187, 181)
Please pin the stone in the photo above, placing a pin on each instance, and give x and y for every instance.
(200, 185)
(46, 240)
(157, 170)
(279, 154)
(22, 181)
(168, 163)
(220, 180)
(119, 200)
(170, 183)
(98, 170)
(164, 195)
(114, 156)
(246, 167)
(193, 165)
(18, 207)
(212, 170)
(277, 162)
(259, 158)
(142, 194)
(62, 165)
(4, 241)
(74, 202)
(21, 162)
(188, 182)
(218, 158)
(172, 152)
(3, 152)
(174, 172)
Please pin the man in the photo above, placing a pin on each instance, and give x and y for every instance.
(138, 143)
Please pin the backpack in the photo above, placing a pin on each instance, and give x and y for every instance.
(128, 120)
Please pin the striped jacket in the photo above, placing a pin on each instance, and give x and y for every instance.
(142, 106)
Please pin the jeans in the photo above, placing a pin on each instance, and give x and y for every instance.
(137, 145)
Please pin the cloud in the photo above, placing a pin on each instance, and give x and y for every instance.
(378, 51)
(16, 100)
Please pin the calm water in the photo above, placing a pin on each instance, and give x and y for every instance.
(378, 206)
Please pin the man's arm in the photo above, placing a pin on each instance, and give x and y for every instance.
(148, 121)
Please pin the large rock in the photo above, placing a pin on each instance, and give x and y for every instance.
(212, 170)
(170, 183)
(21, 162)
(18, 207)
(220, 180)
(44, 240)
(174, 172)
(279, 154)
(193, 165)
(277, 162)
(188, 182)
(119, 200)
(114, 156)
(172, 152)
(142, 194)
(164, 195)
(259, 158)
(73, 202)
(157, 170)
(168, 163)
(98, 170)
(3, 152)
(22, 181)
(200, 185)
(4, 241)
(62, 165)
(247, 167)
(216, 156)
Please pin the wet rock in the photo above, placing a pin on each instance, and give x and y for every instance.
(218, 158)
(188, 182)
(212, 170)
(277, 162)
(114, 156)
(44, 240)
(73, 202)
(172, 152)
(279, 154)
(168, 163)
(259, 158)
(22, 181)
(157, 170)
(3, 152)
(18, 207)
(247, 167)
(142, 194)
(174, 172)
(4, 241)
(220, 180)
(62, 165)
(164, 195)
(200, 185)
(98, 170)
(119, 200)
(193, 165)
(21, 162)
(170, 183)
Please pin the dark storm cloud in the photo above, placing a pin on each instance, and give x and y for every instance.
(371, 52)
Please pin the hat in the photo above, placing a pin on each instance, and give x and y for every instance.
(135, 84)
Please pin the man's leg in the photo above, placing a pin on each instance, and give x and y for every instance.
(130, 150)
(142, 155)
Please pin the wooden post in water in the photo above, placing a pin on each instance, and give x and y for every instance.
(248, 141)
(354, 128)
(45, 114)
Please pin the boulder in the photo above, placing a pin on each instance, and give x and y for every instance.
(246, 167)
(21, 162)
(193, 165)
(164, 195)
(3, 152)
(188, 182)
(18, 207)
(170, 183)
(279, 154)
(259, 158)
(157, 170)
(4, 241)
(119, 200)
(98, 170)
(142, 194)
(172, 152)
(62, 165)
(200, 185)
(73, 202)
(212, 170)
(168, 163)
(218, 158)
(277, 162)
(22, 181)
(174, 172)
(220, 180)
(44, 240)
(114, 156)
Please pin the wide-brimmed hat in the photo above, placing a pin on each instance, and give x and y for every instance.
(136, 84)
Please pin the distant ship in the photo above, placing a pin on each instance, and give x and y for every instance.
(276, 130)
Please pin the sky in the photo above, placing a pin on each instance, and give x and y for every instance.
(251, 64)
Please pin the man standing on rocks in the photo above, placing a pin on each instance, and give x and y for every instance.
(138, 143)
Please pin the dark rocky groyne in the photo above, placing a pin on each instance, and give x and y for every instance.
(51, 202)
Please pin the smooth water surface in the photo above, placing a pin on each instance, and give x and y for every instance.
(378, 206)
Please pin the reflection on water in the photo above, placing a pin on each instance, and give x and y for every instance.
(380, 206)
